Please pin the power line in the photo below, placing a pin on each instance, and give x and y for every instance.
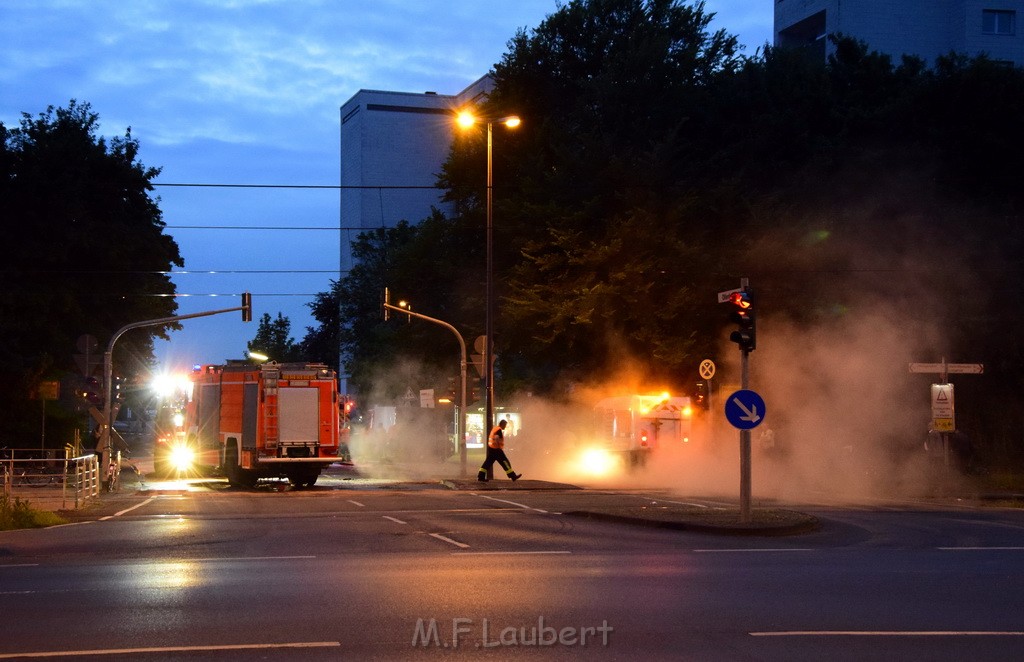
(335, 228)
(335, 187)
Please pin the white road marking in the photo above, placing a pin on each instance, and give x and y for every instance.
(980, 549)
(889, 633)
(172, 649)
(250, 558)
(554, 551)
(756, 549)
(361, 505)
(512, 503)
(461, 545)
(128, 510)
(394, 519)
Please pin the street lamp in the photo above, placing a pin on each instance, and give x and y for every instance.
(460, 427)
(467, 119)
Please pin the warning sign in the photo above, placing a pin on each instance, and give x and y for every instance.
(943, 418)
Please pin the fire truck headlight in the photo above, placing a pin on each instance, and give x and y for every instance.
(182, 457)
(597, 462)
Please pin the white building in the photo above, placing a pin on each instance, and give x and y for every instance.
(393, 145)
(926, 28)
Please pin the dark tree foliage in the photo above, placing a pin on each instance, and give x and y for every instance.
(273, 340)
(595, 248)
(86, 251)
(435, 265)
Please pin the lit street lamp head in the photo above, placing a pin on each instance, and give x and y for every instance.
(466, 119)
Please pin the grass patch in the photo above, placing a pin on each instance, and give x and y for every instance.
(18, 514)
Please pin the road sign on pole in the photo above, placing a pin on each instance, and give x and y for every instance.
(943, 417)
(943, 369)
(707, 369)
(744, 409)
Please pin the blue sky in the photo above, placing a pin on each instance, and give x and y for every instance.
(248, 92)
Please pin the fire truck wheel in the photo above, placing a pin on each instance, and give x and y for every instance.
(237, 476)
(302, 479)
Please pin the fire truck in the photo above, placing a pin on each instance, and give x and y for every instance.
(273, 420)
(636, 425)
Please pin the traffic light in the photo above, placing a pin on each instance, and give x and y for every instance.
(744, 315)
(700, 396)
(246, 307)
(92, 391)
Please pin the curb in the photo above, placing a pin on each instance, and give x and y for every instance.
(807, 524)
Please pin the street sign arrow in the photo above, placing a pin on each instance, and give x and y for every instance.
(748, 414)
(745, 409)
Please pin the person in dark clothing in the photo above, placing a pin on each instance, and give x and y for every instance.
(496, 453)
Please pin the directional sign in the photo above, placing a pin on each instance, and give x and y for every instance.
(707, 369)
(956, 368)
(744, 409)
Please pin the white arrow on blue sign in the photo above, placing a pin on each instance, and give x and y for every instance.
(744, 409)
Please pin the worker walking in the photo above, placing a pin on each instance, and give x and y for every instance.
(496, 453)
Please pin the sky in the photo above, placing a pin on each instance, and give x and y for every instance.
(247, 92)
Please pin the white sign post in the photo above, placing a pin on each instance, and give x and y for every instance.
(943, 416)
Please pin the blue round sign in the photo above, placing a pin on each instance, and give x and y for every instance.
(744, 409)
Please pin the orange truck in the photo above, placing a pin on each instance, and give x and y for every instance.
(275, 420)
(636, 425)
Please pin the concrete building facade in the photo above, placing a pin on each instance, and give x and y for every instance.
(926, 28)
(393, 145)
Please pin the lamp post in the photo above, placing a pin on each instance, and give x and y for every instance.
(460, 426)
(467, 119)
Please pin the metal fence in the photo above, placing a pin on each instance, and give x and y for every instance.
(51, 482)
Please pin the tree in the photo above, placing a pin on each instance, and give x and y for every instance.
(273, 340)
(437, 265)
(597, 230)
(91, 255)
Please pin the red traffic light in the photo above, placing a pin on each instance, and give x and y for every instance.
(741, 299)
(743, 316)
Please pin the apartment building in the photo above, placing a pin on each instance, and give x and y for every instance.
(926, 28)
(393, 145)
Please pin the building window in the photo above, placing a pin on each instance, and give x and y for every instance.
(999, 21)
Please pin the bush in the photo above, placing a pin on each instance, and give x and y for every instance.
(17, 514)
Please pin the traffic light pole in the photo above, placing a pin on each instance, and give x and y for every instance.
(108, 362)
(745, 434)
(745, 445)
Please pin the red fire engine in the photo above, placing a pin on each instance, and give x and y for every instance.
(636, 425)
(272, 420)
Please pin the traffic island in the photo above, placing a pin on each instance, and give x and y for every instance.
(763, 521)
(505, 484)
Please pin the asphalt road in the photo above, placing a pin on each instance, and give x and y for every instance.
(418, 571)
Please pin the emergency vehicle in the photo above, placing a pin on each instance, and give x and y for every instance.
(263, 421)
(636, 425)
